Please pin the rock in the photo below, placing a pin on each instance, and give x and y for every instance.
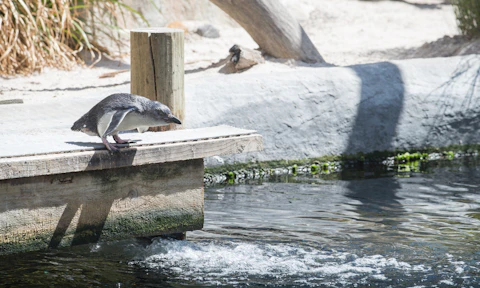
(241, 58)
(216, 161)
(447, 46)
(208, 31)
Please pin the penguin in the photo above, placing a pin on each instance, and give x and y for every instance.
(121, 112)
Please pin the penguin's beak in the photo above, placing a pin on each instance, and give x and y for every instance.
(174, 119)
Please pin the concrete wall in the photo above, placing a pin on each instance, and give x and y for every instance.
(310, 112)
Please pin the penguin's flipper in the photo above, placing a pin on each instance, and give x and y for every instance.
(111, 120)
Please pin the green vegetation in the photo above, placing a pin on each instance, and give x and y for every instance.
(294, 169)
(37, 34)
(353, 159)
(410, 166)
(468, 16)
(448, 155)
(400, 161)
(407, 157)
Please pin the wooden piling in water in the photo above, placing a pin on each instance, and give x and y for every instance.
(157, 58)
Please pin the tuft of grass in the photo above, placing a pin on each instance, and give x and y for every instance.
(468, 16)
(51, 33)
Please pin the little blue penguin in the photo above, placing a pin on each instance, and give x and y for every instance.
(121, 112)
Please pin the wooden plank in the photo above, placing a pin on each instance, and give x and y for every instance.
(63, 140)
(48, 164)
(86, 207)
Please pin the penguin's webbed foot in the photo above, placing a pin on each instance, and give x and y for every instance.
(120, 140)
(111, 147)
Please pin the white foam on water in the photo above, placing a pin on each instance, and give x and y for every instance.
(220, 263)
(421, 268)
(447, 282)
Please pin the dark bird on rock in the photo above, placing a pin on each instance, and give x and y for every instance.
(121, 112)
(235, 53)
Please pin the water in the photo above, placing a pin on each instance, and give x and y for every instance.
(364, 228)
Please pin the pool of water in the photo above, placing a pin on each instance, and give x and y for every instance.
(361, 228)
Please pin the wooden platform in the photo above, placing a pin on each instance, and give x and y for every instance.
(27, 156)
(65, 188)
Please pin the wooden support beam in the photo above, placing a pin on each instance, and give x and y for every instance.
(51, 211)
(157, 58)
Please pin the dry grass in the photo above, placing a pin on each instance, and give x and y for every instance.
(51, 33)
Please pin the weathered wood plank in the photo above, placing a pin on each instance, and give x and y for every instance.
(62, 140)
(86, 207)
(49, 164)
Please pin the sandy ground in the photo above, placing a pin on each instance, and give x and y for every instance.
(346, 32)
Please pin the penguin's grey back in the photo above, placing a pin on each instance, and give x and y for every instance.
(120, 101)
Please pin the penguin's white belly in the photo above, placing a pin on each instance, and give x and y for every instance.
(136, 121)
(131, 121)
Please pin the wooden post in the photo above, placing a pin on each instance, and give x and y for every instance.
(157, 68)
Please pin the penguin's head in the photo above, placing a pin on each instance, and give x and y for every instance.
(162, 112)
